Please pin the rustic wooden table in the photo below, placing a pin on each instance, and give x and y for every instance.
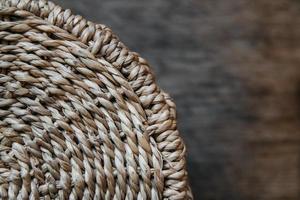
(233, 69)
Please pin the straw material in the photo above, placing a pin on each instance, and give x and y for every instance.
(81, 116)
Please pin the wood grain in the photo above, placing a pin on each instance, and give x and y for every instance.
(233, 69)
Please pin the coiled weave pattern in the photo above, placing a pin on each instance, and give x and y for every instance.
(81, 116)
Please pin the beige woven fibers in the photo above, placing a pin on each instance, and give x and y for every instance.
(81, 116)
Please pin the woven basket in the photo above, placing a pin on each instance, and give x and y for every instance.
(81, 116)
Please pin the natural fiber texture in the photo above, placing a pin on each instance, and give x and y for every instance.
(81, 116)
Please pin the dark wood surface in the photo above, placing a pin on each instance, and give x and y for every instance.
(233, 69)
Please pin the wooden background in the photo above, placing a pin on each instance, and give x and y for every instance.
(233, 69)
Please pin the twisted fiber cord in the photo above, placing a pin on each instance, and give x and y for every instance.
(81, 115)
